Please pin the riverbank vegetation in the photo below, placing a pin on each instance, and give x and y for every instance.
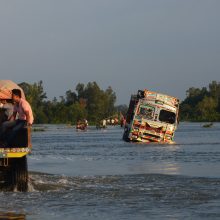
(201, 104)
(93, 103)
(87, 101)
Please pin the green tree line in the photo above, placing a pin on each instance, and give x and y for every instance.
(86, 101)
(91, 102)
(201, 104)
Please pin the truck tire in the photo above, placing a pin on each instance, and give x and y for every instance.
(20, 174)
(125, 135)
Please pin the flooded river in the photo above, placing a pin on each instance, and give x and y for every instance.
(96, 175)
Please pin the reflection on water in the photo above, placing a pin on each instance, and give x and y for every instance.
(96, 175)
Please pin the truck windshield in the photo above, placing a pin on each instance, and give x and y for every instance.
(168, 117)
(146, 111)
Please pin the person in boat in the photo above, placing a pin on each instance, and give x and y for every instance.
(22, 116)
(104, 123)
(86, 123)
(112, 121)
(82, 125)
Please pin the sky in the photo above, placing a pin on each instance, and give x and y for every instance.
(161, 45)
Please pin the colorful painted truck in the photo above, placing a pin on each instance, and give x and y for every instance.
(151, 117)
(13, 161)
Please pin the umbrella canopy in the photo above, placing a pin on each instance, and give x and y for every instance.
(5, 89)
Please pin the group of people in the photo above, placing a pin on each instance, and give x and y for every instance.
(82, 124)
(17, 114)
(111, 121)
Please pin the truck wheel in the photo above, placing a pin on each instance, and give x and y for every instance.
(19, 174)
(6, 175)
(4, 181)
(125, 135)
(14, 176)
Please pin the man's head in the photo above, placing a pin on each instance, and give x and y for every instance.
(16, 95)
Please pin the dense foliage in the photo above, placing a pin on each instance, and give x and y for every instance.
(91, 102)
(202, 104)
(87, 101)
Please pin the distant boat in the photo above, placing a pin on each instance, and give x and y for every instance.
(82, 125)
(208, 125)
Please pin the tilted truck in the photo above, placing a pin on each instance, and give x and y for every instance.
(13, 158)
(151, 117)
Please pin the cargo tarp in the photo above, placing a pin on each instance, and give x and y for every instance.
(5, 89)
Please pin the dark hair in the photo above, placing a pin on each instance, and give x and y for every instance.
(16, 92)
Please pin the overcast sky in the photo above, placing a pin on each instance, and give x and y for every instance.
(161, 45)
